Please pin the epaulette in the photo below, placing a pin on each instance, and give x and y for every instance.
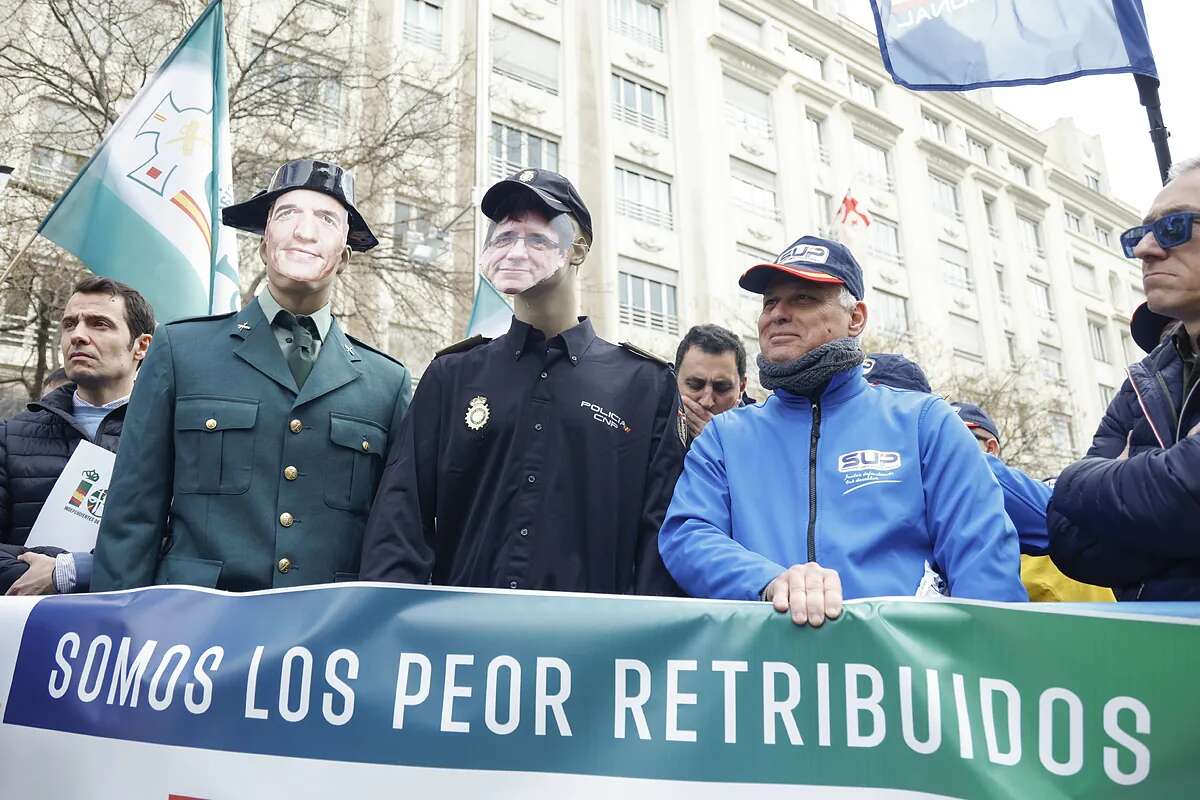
(365, 346)
(463, 346)
(646, 354)
(203, 318)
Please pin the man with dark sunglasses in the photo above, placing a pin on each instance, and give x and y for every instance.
(1126, 515)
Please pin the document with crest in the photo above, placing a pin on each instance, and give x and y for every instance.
(70, 519)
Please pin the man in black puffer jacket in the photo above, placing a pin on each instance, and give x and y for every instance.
(1128, 514)
(106, 329)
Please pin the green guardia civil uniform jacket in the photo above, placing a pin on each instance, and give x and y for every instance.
(229, 477)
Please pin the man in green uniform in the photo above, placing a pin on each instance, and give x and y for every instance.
(254, 440)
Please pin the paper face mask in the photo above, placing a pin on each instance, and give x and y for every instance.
(526, 251)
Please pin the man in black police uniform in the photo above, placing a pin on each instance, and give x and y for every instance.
(544, 459)
(254, 441)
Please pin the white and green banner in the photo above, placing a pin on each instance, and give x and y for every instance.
(146, 209)
(490, 314)
(374, 691)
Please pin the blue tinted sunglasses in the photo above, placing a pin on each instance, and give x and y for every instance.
(1169, 231)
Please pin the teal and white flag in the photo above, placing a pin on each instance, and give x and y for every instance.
(146, 209)
(491, 315)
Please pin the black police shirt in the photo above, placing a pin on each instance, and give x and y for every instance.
(532, 464)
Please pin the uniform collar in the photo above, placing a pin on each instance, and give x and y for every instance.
(323, 316)
(576, 339)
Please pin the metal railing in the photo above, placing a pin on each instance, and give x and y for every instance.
(423, 36)
(645, 213)
(639, 35)
(751, 123)
(643, 121)
(645, 318)
(528, 81)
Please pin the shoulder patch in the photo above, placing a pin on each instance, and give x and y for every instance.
(203, 319)
(646, 354)
(360, 343)
(463, 346)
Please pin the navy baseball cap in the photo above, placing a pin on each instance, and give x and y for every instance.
(975, 417)
(554, 192)
(812, 259)
(1148, 327)
(893, 369)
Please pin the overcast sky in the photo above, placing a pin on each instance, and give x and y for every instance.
(1108, 104)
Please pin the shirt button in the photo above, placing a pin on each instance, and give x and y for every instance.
(291, 473)
(512, 584)
(296, 426)
(284, 565)
(537, 426)
(545, 375)
(211, 424)
(286, 519)
(366, 445)
(531, 479)
(524, 531)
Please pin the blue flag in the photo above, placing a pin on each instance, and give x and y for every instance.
(146, 209)
(954, 45)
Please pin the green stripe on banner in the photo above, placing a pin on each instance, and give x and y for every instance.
(93, 223)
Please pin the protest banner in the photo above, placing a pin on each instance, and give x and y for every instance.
(70, 517)
(371, 691)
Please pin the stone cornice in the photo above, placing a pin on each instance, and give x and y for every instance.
(1075, 191)
(872, 121)
(816, 90)
(1023, 195)
(752, 65)
(943, 158)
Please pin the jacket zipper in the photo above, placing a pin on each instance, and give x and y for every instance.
(812, 481)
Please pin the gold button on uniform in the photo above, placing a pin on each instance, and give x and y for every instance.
(296, 426)
(211, 424)
(286, 519)
(284, 565)
(366, 445)
(291, 473)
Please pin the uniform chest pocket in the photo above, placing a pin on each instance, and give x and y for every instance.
(356, 462)
(214, 444)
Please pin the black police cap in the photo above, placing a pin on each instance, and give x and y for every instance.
(303, 173)
(552, 190)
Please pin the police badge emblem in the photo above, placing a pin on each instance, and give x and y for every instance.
(526, 176)
(478, 413)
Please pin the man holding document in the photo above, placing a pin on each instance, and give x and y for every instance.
(105, 333)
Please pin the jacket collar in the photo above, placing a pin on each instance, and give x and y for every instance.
(522, 337)
(61, 403)
(1154, 380)
(843, 386)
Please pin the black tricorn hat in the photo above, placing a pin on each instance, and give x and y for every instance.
(303, 173)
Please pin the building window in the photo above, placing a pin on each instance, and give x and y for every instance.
(1092, 179)
(640, 20)
(753, 189)
(1043, 303)
(1137, 293)
(823, 212)
(945, 196)
(979, 150)
(874, 164)
(1104, 237)
(639, 105)
(811, 65)
(740, 25)
(1002, 284)
(1011, 350)
(1061, 433)
(1129, 349)
(1050, 363)
(864, 91)
(1021, 171)
(514, 149)
(989, 213)
(423, 22)
(522, 55)
(1098, 337)
(644, 198)
(1085, 278)
(891, 311)
(54, 169)
(747, 108)
(935, 128)
(1106, 396)
(413, 233)
(955, 268)
(966, 336)
(816, 129)
(885, 240)
(647, 296)
(1073, 221)
(1031, 236)
(314, 90)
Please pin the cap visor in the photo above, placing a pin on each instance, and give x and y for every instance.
(757, 277)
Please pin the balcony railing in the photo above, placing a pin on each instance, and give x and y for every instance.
(645, 213)
(639, 35)
(645, 318)
(525, 79)
(15, 331)
(423, 36)
(643, 121)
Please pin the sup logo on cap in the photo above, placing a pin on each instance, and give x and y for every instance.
(810, 253)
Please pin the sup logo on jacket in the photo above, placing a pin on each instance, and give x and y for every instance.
(863, 468)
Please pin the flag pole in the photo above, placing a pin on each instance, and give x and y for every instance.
(16, 258)
(1148, 94)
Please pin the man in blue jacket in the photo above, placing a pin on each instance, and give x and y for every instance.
(833, 487)
(1128, 514)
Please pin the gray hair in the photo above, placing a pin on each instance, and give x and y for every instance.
(1180, 168)
(846, 300)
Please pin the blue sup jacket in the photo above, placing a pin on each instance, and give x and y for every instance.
(870, 481)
